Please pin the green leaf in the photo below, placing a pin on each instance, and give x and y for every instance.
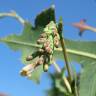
(36, 74)
(57, 88)
(85, 54)
(26, 42)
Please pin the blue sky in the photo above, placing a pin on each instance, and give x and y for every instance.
(10, 65)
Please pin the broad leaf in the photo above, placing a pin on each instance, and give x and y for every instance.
(85, 54)
(26, 42)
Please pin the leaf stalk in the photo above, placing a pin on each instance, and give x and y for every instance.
(66, 82)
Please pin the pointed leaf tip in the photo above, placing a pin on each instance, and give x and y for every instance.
(45, 17)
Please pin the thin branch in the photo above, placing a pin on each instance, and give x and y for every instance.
(14, 15)
(64, 78)
(60, 28)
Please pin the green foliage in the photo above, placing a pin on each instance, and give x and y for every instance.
(26, 42)
(82, 52)
(88, 63)
(57, 86)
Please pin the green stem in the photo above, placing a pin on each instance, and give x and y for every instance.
(75, 78)
(60, 29)
(67, 85)
(76, 91)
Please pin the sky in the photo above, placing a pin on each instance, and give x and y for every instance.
(10, 65)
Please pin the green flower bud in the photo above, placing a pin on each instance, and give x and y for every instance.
(43, 35)
(45, 67)
(56, 42)
(41, 50)
(48, 40)
(41, 40)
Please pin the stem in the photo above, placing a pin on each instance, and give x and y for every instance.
(76, 91)
(64, 78)
(75, 78)
(14, 15)
(66, 59)
(60, 28)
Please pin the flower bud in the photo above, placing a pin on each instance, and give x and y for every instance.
(41, 60)
(41, 50)
(48, 50)
(28, 58)
(46, 44)
(43, 35)
(45, 67)
(56, 43)
(41, 40)
(55, 32)
(27, 70)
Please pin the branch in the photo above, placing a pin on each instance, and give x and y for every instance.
(60, 28)
(64, 78)
(14, 15)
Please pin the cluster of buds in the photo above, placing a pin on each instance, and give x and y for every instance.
(48, 40)
(27, 70)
